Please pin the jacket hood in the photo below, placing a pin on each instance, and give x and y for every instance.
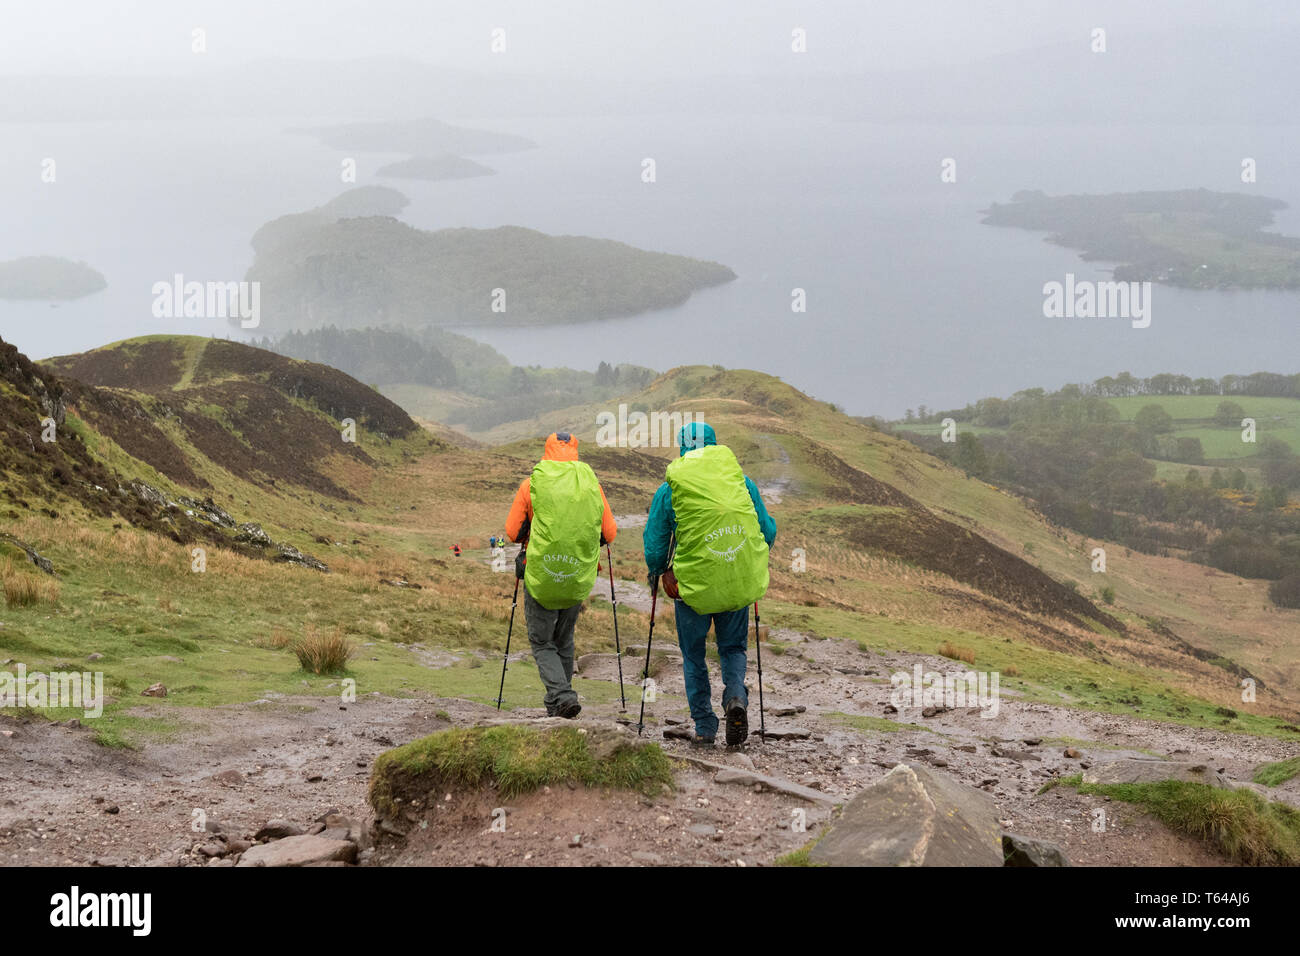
(561, 446)
(695, 435)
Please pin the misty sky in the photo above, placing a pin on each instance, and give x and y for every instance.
(650, 39)
(821, 173)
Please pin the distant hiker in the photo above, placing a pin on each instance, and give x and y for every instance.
(492, 543)
(561, 517)
(719, 568)
(455, 549)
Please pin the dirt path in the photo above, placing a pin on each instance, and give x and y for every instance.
(64, 799)
(1010, 755)
(777, 487)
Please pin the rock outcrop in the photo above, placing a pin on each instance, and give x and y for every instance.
(914, 817)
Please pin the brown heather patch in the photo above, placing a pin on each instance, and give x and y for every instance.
(267, 439)
(131, 425)
(957, 653)
(140, 365)
(930, 542)
(630, 464)
(844, 483)
(333, 392)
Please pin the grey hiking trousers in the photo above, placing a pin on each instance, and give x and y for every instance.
(551, 635)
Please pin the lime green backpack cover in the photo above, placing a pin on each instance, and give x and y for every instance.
(721, 557)
(564, 543)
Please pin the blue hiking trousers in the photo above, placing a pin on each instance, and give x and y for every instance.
(731, 629)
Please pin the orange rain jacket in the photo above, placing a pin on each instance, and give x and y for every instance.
(521, 509)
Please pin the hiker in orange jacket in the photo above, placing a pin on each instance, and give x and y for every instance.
(562, 508)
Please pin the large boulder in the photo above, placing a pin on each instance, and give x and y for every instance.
(1137, 770)
(300, 851)
(43, 563)
(914, 817)
(1027, 851)
(290, 554)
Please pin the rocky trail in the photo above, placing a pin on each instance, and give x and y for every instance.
(65, 799)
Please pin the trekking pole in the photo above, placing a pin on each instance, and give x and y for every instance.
(758, 646)
(514, 601)
(645, 674)
(617, 647)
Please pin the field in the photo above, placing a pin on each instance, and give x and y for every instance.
(1194, 418)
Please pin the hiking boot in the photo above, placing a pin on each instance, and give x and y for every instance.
(737, 723)
(569, 709)
(703, 742)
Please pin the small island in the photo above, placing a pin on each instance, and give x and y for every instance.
(375, 270)
(435, 168)
(48, 278)
(1193, 238)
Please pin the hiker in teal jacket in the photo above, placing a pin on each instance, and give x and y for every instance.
(731, 627)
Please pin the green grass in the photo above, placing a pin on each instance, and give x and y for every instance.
(139, 613)
(518, 759)
(1275, 774)
(1237, 823)
(868, 724)
(112, 738)
(801, 856)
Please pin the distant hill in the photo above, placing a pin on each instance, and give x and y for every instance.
(439, 375)
(48, 277)
(377, 271)
(362, 201)
(84, 454)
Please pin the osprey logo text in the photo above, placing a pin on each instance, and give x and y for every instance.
(74, 909)
(559, 574)
(716, 537)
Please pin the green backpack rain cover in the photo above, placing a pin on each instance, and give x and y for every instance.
(721, 557)
(564, 543)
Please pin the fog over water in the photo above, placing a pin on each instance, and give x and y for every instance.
(820, 177)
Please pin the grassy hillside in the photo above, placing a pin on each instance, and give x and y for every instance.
(862, 570)
(446, 377)
(902, 551)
